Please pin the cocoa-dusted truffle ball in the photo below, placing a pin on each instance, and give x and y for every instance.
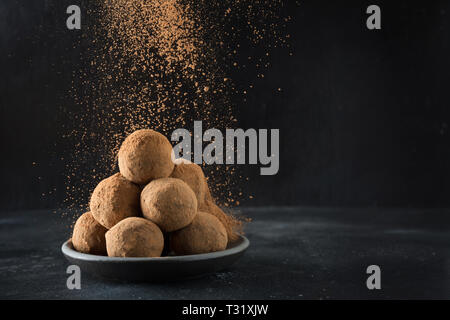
(205, 234)
(169, 203)
(89, 235)
(145, 155)
(193, 175)
(134, 237)
(231, 224)
(114, 199)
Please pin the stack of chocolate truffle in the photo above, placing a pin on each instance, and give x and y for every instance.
(152, 206)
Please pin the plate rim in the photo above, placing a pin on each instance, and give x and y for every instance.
(67, 250)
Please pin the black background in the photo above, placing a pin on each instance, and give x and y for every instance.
(363, 115)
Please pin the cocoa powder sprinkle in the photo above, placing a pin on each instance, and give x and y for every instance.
(163, 64)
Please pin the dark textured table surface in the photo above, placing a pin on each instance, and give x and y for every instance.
(295, 253)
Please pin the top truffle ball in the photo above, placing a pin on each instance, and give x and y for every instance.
(145, 155)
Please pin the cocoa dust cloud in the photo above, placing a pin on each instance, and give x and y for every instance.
(152, 199)
(163, 64)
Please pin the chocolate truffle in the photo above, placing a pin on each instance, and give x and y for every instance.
(230, 223)
(134, 237)
(169, 203)
(89, 235)
(145, 155)
(193, 175)
(113, 200)
(205, 234)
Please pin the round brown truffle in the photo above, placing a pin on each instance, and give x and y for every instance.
(113, 200)
(134, 237)
(169, 203)
(205, 234)
(145, 155)
(193, 175)
(89, 235)
(230, 223)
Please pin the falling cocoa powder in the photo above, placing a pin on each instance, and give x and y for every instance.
(162, 64)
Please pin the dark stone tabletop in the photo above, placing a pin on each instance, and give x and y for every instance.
(295, 253)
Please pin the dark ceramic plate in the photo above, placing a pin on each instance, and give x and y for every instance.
(156, 269)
